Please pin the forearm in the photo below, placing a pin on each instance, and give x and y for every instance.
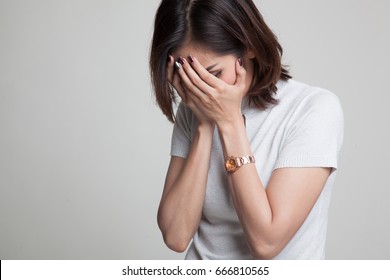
(248, 193)
(181, 207)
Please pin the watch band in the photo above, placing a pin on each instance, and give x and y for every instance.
(233, 163)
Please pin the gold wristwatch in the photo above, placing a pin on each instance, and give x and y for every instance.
(233, 163)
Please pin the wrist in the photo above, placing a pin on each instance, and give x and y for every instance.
(206, 127)
(234, 138)
(232, 126)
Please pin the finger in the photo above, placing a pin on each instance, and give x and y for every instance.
(241, 73)
(208, 78)
(170, 72)
(193, 89)
(191, 97)
(170, 68)
(195, 79)
(176, 82)
(174, 79)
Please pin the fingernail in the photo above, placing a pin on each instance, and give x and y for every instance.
(191, 58)
(177, 65)
(181, 60)
(240, 61)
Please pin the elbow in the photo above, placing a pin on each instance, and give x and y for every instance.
(176, 243)
(173, 239)
(264, 251)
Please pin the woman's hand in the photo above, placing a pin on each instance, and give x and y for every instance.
(185, 94)
(210, 98)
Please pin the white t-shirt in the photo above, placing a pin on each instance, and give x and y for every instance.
(304, 130)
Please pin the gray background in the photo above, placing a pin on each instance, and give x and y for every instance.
(84, 149)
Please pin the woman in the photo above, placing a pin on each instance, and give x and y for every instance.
(254, 153)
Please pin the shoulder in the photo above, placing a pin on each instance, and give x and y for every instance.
(300, 97)
(312, 125)
(185, 121)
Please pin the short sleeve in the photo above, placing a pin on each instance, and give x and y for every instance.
(181, 135)
(315, 134)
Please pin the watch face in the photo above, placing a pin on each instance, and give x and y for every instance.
(231, 165)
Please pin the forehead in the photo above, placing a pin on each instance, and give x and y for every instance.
(205, 56)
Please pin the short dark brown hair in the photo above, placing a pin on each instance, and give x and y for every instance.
(224, 27)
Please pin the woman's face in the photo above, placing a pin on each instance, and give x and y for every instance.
(221, 66)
